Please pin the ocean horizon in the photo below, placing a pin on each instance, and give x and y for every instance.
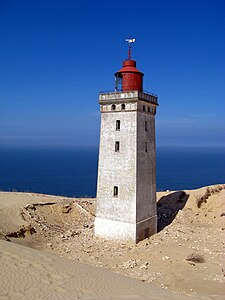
(72, 171)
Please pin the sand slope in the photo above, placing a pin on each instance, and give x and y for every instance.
(31, 274)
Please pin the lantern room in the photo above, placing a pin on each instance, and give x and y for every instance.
(129, 78)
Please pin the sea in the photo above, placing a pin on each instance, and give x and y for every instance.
(72, 172)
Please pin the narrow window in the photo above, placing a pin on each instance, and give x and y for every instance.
(115, 191)
(146, 147)
(123, 106)
(149, 109)
(113, 107)
(117, 125)
(146, 126)
(117, 146)
(143, 107)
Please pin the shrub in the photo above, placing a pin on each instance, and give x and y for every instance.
(196, 258)
(200, 200)
(208, 193)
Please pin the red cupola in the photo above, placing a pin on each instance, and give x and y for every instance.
(129, 76)
(132, 78)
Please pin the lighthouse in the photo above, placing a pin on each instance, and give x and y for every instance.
(126, 189)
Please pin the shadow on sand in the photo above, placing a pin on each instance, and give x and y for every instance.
(168, 207)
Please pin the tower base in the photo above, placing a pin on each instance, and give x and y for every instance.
(116, 230)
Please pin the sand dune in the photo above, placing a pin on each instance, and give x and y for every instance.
(31, 274)
(185, 257)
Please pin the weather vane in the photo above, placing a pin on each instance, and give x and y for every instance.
(129, 41)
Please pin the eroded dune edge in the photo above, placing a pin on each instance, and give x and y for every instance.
(184, 259)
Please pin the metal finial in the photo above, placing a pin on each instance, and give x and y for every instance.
(129, 41)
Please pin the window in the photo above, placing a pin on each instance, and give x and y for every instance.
(117, 146)
(113, 107)
(149, 109)
(143, 107)
(146, 126)
(123, 106)
(117, 125)
(115, 191)
(146, 147)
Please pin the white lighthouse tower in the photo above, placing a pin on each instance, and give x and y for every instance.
(126, 191)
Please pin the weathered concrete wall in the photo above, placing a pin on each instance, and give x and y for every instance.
(131, 215)
(117, 168)
(115, 230)
(146, 160)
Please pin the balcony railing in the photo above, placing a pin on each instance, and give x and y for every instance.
(114, 92)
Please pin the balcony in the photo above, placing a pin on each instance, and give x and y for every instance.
(131, 95)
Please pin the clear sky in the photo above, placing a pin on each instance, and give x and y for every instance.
(55, 57)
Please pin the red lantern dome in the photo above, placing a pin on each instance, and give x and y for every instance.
(132, 78)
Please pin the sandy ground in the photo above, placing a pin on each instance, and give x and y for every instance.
(183, 260)
(32, 274)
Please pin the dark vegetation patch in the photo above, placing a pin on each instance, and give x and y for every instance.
(209, 192)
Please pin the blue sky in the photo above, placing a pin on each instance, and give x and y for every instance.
(55, 57)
